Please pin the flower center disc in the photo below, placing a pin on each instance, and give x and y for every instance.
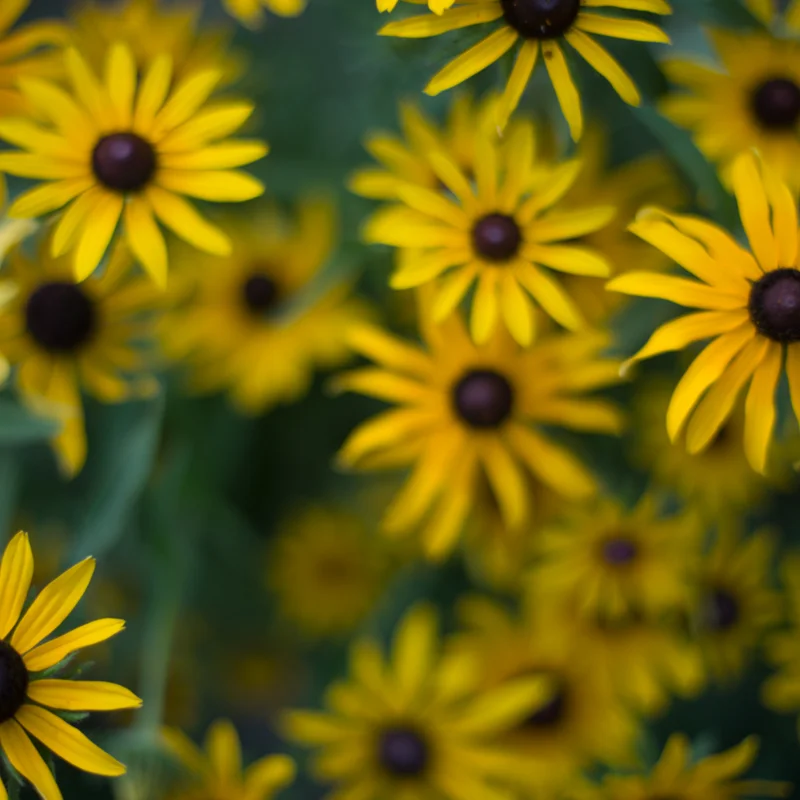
(483, 399)
(541, 19)
(13, 682)
(59, 316)
(260, 293)
(776, 104)
(619, 551)
(124, 162)
(775, 305)
(403, 752)
(496, 237)
(720, 610)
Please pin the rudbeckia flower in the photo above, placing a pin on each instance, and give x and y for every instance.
(537, 26)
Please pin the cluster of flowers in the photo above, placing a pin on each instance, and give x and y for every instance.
(503, 243)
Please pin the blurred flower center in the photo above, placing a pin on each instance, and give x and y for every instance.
(483, 399)
(124, 162)
(619, 550)
(719, 610)
(13, 681)
(541, 19)
(550, 714)
(260, 293)
(496, 237)
(776, 103)
(775, 305)
(403, 752)
(60, 316)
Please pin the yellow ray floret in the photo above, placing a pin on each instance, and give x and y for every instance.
(251, 12)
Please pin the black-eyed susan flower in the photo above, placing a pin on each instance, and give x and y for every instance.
(537, 26)
(63, 337)
(505, 232)
(326, 570)
(217, 770)
(734, 603)
(415, 724)
(715, 777)
(584, 723)
(749, 307)
(151, 29)
(465, 413)
(29, 690)
(120, 152)
(251, 12)
(605, 560)
(752, 100)
(715, 482)
(266, 297)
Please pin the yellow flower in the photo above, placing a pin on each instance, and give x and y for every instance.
(752, 101)
(467, 411)
(326, 570)
(251, 12)
(28, 663)
(606, 561)
(505, 233)
(124, 150)
(711, 778)
(65, 336)
(583, 723)
(266, 297)
(734, 603)
(218, 772)
(415, 725)
(769, 12)
(750, 309)
(716, 482)
(150, 30)
(537, 25)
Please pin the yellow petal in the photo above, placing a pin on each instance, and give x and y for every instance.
(51, 653)
(48, 197)
(268, 775)
(217, 156)
(228, 186)
(760, 408)
(632, 29)
(187, 97)
(754, 210)
(507, 482)
(121, 83)
(484, 307)
(517, 81)
(426, 25)
(564, 86)
(599, 58)
(516, 310)
(70, 695)
(25, 759)
(16, 571)
(689, 293)
(551, 297)
(224, 751)
(145, 239)
(182, 218)
(152, 93)
(413, 650)
(185, 751)
(97, 235)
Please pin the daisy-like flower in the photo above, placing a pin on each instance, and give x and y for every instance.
(251, 12)
(468, 413)
(584, 722)
(749, 308)
(604, 560)
(152, 29)
(217, 770)
(326, 571)
(126, 151)
(416, 724)
(64, 336)
(751, 100)
(506, 232)
(28, 663)
(734, 603)
(714, 777)
(234, 314)
(716, 482)
(537, 26)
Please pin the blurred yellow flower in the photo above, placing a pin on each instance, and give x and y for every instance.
(267, 297)
(415, 725)
(467, 410)
(218, 771)
(28, 663)
(326, 570)
(65, 336)
(771, 11)
(124, 151)
(751, 100)
(251, 12)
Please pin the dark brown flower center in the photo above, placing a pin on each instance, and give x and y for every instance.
(619, 551)
(496, 237)
(260, 293)
(541, 19)
(124, 162)
(776, 104)
(403, 753)
(775, 305)
(60, 316)
(719, 610)
(549, 715)
(483, 398)
(13, 681)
